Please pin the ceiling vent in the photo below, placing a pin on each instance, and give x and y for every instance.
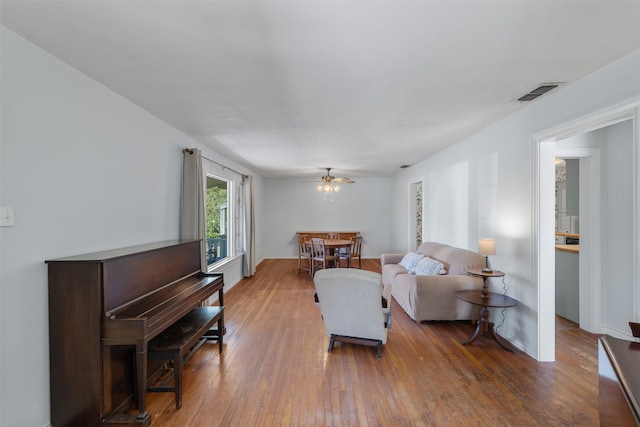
(539, 91)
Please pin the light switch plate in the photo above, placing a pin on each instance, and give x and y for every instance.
(7, 218)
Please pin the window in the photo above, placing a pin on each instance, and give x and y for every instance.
(219, 226)
(223, 213)
(217, 209)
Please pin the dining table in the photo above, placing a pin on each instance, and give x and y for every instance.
(331, 245)
(335, 243)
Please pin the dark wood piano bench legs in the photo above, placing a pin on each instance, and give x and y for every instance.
(185, 336)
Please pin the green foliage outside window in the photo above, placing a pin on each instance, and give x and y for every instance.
(215, 199)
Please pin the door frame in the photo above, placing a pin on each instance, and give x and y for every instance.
(543, 221)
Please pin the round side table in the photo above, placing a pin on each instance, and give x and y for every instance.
(486, 299)
(485, 274)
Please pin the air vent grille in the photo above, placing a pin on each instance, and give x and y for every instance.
(539, 91)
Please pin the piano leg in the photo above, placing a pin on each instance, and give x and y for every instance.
(121, 416)
(141, 380)
(221, 327)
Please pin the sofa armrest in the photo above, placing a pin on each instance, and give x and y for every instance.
(391, 258)
(386, 294)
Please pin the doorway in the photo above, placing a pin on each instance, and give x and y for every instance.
(543, 225)
(589, 259)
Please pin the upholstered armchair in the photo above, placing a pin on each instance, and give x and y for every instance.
(355, 306)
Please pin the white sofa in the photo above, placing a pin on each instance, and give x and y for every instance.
(432, 297)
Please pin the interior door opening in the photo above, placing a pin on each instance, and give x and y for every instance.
(543, 257)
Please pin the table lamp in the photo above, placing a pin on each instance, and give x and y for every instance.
(487, 247)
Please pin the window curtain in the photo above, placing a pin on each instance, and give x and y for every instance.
(248, 235)
(192, 212)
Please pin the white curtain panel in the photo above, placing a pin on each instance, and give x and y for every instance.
(192, 213)
(249, 245)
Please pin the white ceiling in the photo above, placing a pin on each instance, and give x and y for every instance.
(290, 87)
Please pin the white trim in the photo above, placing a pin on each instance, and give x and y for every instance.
(608, 117)
(542, 244)
(224, 263)
(217, 171)
(636, 213)
(542, 230)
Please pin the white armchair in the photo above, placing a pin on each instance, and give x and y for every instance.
(355, 306)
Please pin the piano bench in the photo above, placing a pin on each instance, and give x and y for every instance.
(185, 336)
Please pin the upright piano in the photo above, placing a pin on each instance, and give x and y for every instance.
(618, 381)
(104, 308)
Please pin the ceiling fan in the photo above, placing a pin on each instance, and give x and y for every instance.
(329, 182)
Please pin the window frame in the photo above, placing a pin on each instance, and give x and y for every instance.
(213, 170)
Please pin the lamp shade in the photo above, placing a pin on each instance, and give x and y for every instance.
(487, 246)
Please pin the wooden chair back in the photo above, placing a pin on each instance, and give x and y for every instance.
(303, 247)
(319, 258)
(304, 254)
(355, 250)
(317, 249)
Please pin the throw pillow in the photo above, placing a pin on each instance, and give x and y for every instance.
(429, 266)
(409, 261)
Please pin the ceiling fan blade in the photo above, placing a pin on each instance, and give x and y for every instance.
(328, 179)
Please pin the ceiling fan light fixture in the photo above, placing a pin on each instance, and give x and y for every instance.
(329, 183)
(328, 188)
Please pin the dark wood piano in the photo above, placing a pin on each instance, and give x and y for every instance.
(618, 381)
(104, 308)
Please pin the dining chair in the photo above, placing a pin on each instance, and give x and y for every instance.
(334, 236)
(319, 257)
(304, 254)
(354, 252)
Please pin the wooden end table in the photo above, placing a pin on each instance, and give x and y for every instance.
(486, 299)
(485, 274)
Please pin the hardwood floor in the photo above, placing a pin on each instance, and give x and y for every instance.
(275, 370)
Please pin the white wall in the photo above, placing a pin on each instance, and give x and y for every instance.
(488, 179)
(85, 170)
(291, 205)
(618, 241)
